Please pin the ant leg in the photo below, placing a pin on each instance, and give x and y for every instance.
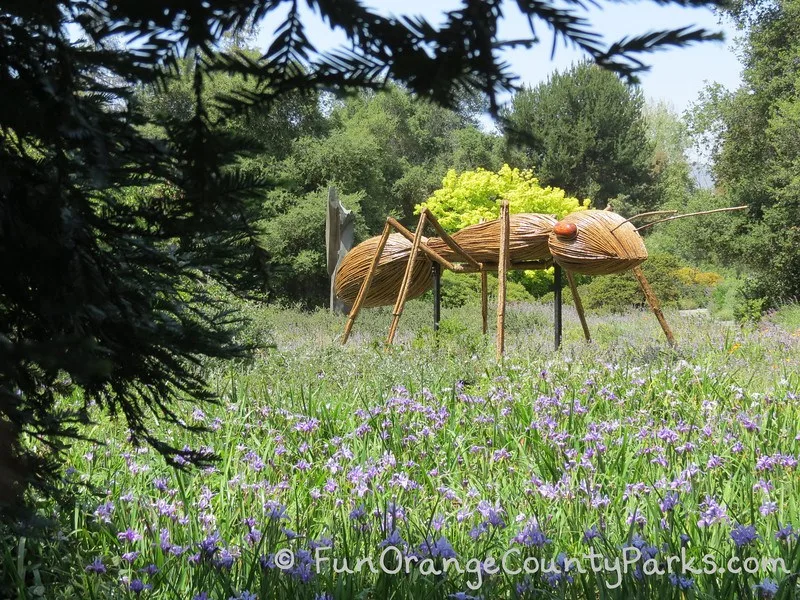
(578, 305)
(451, 243)
(416, 244)
(484, 300)
(653, 301)
(362, 293)
(401, 298)
(432, 254)
(464, 256)
(502, 269)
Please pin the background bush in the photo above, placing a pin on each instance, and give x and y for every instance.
(464, 289)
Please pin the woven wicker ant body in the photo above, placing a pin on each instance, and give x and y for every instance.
(394, 267)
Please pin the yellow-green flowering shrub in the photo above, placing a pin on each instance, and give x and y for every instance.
(472, 196)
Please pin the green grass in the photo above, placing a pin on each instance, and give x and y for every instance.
(788, 317)
(323, 444)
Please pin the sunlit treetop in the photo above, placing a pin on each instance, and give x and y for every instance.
(474, 196)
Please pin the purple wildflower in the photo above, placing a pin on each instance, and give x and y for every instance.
(439, 548)
(165, 543)
(303, 566)
(129, 535)
(641, 544)
(479, 530)
(554, 576)
(275, 511)
(393, 539)
(209, 545)
(636, 517)
(763, 485)
(681, 581)
(137, 586)
(531, 535)
(253, 537)
(768, 507)
(166, 509)
(103, 512)
(711, 512)
(438, 522)
(492, 514)
(225, 559)
(591, 534)
(96, 566)
(669, 502)
(307, 425)
(744, 535)
(767, 589)
(501, 454)
(323, 542)
(784, 533)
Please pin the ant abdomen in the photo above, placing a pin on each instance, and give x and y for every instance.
(527, 241)
(388, 274)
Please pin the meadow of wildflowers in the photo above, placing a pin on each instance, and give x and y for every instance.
(434, 451)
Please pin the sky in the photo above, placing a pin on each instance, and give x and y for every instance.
(676, 75)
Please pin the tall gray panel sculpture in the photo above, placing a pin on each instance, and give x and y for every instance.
(339, 230)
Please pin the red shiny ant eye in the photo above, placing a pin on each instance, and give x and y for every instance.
(565, 230)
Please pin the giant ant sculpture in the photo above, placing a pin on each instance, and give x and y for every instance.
(389, 268)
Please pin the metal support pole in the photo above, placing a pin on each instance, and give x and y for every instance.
(437, 295)
(484, 301)
(557, 305)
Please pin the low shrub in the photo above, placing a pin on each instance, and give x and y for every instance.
(462, 289)
(617, 293)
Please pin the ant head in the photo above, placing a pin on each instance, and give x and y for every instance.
(596, 242)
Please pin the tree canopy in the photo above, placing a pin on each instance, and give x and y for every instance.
(754, 133)
(584, 131)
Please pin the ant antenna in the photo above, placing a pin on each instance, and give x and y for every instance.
(705, 212)
(645, 214)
